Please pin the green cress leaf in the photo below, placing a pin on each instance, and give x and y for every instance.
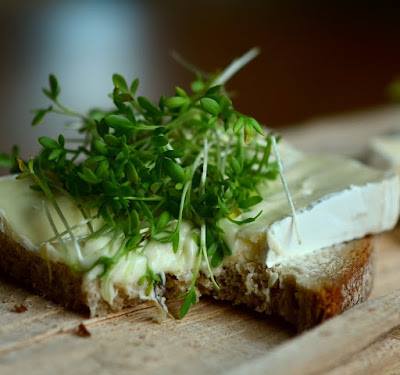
(175, 102)
(174, 170)
(256, 126)
(188, 302)
(134, 86)
(40, 114)
(48, 143)
(197, 86)
(61, 140)
(54, 89)
(112, 140)
(213, 90)
(210, 105)
(88, 176)
(160, 141)
(181, 92)
(119, 82)
(119, 122)
(54, 86)
(55, 154)
(100, 146)
(173, 154)
(245, 221)
(102, 171)
(248, 133)
(225, 104)
(175, 241)
(132, 173)
(235, 164)
(134, 222)
(217, 258)
(163, 220)
(147, 105)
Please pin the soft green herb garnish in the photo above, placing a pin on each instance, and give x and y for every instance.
(144, 167)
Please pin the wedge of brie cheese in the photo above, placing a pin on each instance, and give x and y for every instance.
(336, 200)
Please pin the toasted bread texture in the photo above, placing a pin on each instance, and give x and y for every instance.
(305, 291)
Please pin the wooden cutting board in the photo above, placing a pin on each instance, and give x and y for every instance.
(215, 338)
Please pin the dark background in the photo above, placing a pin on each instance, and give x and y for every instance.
(317, 57)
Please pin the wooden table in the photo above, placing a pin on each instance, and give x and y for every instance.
(215, 338)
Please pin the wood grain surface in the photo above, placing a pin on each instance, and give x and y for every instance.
(343, 344)
(215, 338)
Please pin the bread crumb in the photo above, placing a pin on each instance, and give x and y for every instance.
(82, 331)
(19, 308)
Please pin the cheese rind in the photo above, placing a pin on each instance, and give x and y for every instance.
(348, 215)
(337, 200)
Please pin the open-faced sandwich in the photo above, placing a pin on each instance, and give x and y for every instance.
(190, 197)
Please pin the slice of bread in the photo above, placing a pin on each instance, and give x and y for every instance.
(305, 291)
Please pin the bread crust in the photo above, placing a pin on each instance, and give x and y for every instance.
(277, 291)
(281, 291)
(52, 280)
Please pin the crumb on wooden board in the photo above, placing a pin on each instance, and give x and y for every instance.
(82, 331)
(19, 308)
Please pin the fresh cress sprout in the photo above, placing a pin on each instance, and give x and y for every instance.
(146, 167)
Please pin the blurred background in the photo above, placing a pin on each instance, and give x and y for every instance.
(318, 58)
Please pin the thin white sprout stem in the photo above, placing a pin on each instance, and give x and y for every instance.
(235, 66)
(68, 228)
(53, 226)
(286, 187)
(205, 164)
(203, 232)
(85, 216)
(187, 65)
(74, 240)
(65, 233)
(203, 228)
(186, 188)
